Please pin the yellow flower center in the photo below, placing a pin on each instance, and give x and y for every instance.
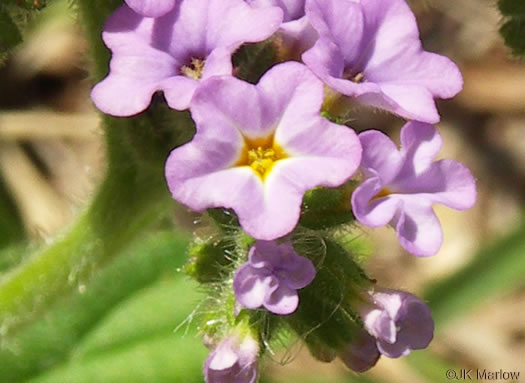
(194, 70)
(261, 160)
(261, 155)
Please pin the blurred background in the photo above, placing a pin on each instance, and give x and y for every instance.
(141, 328)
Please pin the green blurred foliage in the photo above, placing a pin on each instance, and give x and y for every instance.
(15, 17)
(513, 31)
(162, 359)
(308, 378)
(27, 4)
(496, 269)
(11, 227)
(164, 307)
(512, 7)
(51, 337)
(10, 36)
(325, 208)
(513, 28)
(430, 366)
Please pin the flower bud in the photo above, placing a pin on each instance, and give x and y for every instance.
(271, 277)
(233, 360)
(362, 354)
(399, 321)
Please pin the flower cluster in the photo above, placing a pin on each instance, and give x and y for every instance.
(263, 149)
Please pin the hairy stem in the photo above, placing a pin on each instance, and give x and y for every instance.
(131, 198)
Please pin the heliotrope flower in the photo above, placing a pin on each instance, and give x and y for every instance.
(271, 278)
(296, 34)
(173, 53)
(362, 354)
(370, 50)
(151, 8)
(233, 360)
(259, 148)
(399, 187)
(399, 321)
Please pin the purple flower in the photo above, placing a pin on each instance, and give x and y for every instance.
(296, 33)
(399, 321)
(151, 8)
(371, 50)
(362, 354)
(271, 278)
(259, 148)
(173, 53)
(399, 187)
(234, 360)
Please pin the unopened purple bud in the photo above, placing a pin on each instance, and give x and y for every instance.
(399, 321)
(234, 360)
(362, 354)
(271, 277)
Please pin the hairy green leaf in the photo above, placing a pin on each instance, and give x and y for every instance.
(50, 338)
(166, 358)
(164, 306)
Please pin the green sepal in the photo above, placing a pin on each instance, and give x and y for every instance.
(313, 339)
(220, 317)
(326, 318)
(268, 326)
(324, 208)
(225, 219)
(209, 261)
(324, 324)
(319, 350)
(335, 119)
(330, 257)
